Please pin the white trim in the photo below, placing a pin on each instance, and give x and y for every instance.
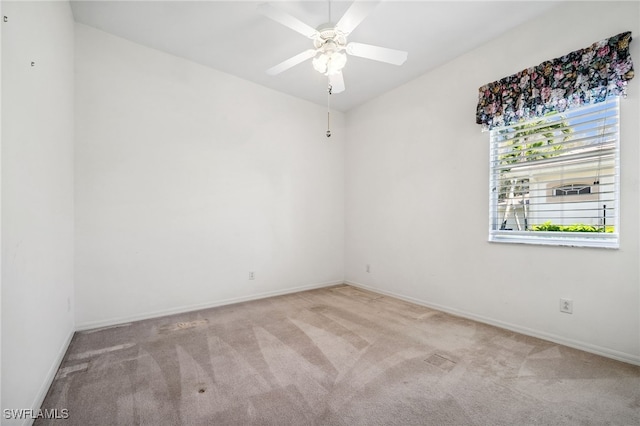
(51, 375)
(583, 346)
(120, 320)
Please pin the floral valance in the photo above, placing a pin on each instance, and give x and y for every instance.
(585, 76)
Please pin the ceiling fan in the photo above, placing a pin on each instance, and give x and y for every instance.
(330, 43)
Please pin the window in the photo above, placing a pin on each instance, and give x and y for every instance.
(555, 179)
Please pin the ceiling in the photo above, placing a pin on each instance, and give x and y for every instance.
(233, 37)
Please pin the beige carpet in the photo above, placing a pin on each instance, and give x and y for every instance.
(334, 356)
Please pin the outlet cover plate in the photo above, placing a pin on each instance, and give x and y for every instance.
(566, 306)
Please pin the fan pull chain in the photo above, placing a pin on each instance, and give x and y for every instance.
(329, 111)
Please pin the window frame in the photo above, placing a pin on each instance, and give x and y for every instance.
(609, 240)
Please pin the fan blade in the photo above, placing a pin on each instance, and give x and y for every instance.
(337, 82)
(291, 62)
(377, 53)
(355, 15)
(287, 20)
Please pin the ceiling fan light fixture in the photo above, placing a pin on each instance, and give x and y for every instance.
(329, 63)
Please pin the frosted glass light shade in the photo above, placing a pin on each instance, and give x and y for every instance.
(329, 62)
(337, 61)
(320, 63)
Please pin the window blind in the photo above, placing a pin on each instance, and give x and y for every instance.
(555, 178)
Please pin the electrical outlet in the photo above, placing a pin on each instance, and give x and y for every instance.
(566, 306)
(252, 275)
(368, 268)
(68, 304)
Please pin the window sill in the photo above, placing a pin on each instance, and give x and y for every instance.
(606, 241)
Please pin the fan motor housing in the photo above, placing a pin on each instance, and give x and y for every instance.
(329, 33)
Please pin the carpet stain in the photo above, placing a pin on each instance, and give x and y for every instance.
(65, 371)
(183, 325)
(97, 352)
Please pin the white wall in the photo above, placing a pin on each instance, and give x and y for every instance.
(37, 198)
(187, 179)
(417, 168)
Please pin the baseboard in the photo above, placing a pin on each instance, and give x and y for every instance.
(51, 374)
(181, 309)
(587, 347)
